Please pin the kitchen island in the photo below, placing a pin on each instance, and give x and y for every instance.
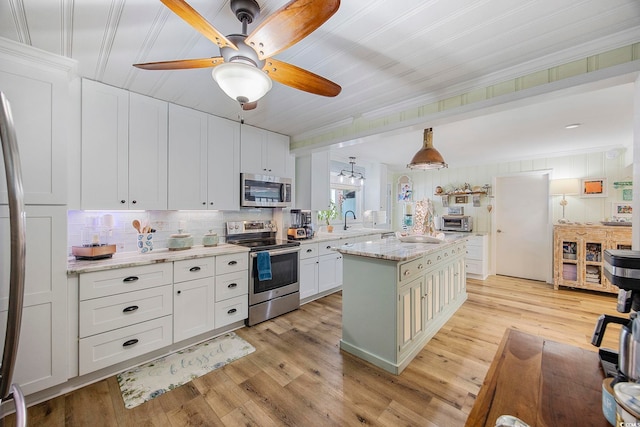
(396, 296)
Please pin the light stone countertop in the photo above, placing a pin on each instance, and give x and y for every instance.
(340, 235)
(132, 259)
(393, 249)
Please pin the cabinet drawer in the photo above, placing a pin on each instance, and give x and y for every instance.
(117, 281)
(105, 314)
(473, 266)
(411, 269)
(309, 251)
(232, 285)
(102, 350)
(232, 262)
(190, 269)
(474, 252)
(231, 310)
(325, 248)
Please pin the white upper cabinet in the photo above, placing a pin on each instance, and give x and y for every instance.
(148, 119)
(204, 161)
(264, 152)
(223, 171)
(124, 149)
(36, 84)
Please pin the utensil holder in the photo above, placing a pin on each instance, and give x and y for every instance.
(145, 242)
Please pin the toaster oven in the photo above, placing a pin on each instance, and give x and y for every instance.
(456, 223)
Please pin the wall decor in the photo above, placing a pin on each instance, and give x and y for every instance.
(593, 187)
(476, 201)
(405, 189)
(621, 210)
(461, 199)
(627, 194)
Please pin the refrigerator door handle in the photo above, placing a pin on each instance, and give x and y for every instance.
(17, 223)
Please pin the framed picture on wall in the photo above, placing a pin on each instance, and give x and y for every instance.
(593, 187)
(621, 209)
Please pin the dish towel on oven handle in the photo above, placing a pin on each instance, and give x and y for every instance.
(264, 266)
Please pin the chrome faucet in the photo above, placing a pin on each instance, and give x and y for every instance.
(345, 218)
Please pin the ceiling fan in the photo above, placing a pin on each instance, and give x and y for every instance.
(246, 65)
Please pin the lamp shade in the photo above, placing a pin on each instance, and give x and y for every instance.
(427, 157)
(565, 186)
(242, 82)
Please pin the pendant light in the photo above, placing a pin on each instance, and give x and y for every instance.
(353, 176)
(427, 157)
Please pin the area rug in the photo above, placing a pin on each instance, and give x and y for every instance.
(148, 381)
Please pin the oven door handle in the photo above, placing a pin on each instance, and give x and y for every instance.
(275, 252)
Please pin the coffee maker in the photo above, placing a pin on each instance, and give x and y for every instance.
(622, 268)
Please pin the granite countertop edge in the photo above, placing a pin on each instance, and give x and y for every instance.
(395, 250)
(133, 259)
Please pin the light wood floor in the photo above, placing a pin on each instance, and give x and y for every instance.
(298, 376)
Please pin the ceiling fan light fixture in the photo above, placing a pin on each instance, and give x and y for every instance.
(427, 157)
(241, 82)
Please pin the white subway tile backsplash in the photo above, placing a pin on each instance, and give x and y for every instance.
(123, 235)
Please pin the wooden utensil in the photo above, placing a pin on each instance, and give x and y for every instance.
(136, 225)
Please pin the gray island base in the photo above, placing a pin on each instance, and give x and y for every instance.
(396, 296)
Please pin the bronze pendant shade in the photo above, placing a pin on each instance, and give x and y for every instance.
(427, 157)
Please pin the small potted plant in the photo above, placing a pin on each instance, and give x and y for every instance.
(328, 214)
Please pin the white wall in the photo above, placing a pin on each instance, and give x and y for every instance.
(592, 165)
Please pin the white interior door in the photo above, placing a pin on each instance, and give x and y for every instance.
(522, 226)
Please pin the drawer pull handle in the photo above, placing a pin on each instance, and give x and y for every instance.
(420, 267)
(446, 254)
(130, 342)
(179, 292)
(406, 273)
(439, 258)
(329, 247)
(232, 262)
(130, 279)
(194, 269)
(232, 285)
(428, 262)
(130, 309)
(309, 251)
(233, 310)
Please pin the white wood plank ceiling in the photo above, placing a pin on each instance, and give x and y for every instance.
(383, 53)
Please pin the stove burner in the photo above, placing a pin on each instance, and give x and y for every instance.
(262, 244)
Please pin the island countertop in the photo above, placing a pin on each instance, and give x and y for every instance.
(393, 249)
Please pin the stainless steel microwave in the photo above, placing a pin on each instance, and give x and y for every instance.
(456, 223)
(264, 191)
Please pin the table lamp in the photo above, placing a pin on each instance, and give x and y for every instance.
(564, 187)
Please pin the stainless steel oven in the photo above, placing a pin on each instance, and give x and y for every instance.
(281, 292)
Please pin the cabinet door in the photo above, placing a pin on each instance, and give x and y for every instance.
(252, 144)
(147, 153)
(187, 158)
(411, 312)
(223, 164)
(105, 127)
(43, 353)
(308, 277)
(329, 271)
(37, 88)
(277, 154)
(193, 304)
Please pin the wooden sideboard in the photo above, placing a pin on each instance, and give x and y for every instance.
(578, 254)
(541, 382)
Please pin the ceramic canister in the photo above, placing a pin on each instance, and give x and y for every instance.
(608, 401)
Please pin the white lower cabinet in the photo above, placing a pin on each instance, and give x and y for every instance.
(308, 277)
(477, 257)
(329, 271)
(123, 313)
(193, 308)
(43, 350)
(411, 312)
(127, 312)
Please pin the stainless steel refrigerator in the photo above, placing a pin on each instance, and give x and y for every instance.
(17, 234)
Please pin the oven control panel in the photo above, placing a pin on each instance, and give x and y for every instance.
(241, 227)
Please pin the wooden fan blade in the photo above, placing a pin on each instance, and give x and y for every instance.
(249, 105)
(181, 64)
(290, 24)
(299, 78)
(193, 18)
